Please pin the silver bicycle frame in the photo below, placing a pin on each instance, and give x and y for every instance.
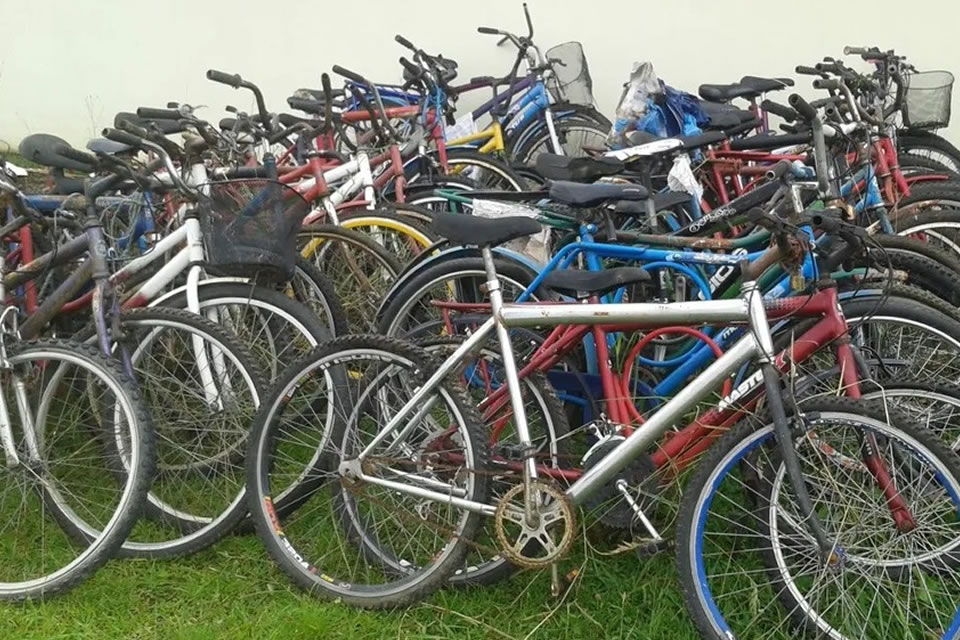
(756, 344)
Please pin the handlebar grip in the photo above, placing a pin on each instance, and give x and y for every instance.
(854, 51)
(806, 71)
(327, 88)
(149, 113)
(779, 170)
(488, 31)
(826, 83)
(234, 80)
(781, 110)
(828, 67)
(404, 42)
(826, 223)
(122, 137)
(349, 75)
(247, 172)
(802, 107)
(77, 155)
(409, 66)
(133, 129)
(303, 104)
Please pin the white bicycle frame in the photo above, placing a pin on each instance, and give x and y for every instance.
(756, 344)
(360, 179)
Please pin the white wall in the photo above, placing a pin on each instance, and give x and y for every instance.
(67, 66)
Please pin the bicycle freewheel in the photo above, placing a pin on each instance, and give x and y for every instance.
(538, 545)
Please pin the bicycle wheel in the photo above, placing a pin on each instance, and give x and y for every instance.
(750, 566)
(82, 405)
(928, 196)
(311, 287)
(424, 196)
(482, 374)
(350, 539)
(489, 172)
(940, 228)
(399, 236)
(918, 165)
(574, 136)
(202, 390)
(905, 338)
(411, 313)
(933, 405)
(275, 328)
(362, 271)
(931, 146)
(911, 266)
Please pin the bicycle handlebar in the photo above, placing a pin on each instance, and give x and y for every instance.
(779, 170)
(802, 107)
(306, 105)
(780, 110)
(349, 75)
(409, 66)
(75, 154)
(122, 137)
(149, 113)
(828, 84)
(234, 80)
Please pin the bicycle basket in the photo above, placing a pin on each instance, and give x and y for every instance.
(927, 99)
(250, 227)
(571, 80)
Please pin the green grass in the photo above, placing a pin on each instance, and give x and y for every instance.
(234, 591)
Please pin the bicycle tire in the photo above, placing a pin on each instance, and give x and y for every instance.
(404, 582)
(311, 287)
(362, 270)
(929, 145)
(416, 286)
(275, 328)
(729, 455)
(398, 234)
(173, 522)
(566, 133)
(940, 228)
(139, 466)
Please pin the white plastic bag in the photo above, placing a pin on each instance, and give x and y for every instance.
(643, 84)
(535, 246)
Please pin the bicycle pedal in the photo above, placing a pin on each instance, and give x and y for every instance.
(649, 548)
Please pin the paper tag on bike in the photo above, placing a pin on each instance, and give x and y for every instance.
(463, 127)
(681, 177)
(535, 246)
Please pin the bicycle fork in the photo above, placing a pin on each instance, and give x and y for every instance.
(11, 457)
(781, 425)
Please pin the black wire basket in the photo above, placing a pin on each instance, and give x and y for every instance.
(571, 81)
(927, 100)
(250, 228)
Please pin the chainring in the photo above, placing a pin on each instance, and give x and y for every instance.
(549, 539)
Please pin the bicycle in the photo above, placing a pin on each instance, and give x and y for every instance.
(433, 448)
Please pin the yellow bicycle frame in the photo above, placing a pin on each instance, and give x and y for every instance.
(492, 134)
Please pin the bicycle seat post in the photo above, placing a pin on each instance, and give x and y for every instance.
(531, 501)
